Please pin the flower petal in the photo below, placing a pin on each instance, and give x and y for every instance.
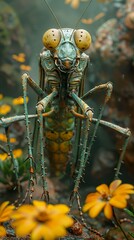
(42, 232)
(118, 202)
(39, 203)
(92, 197)
(96, 209)
(2, 231)
(114, 185)
(103, 189)
(3, 206)
(108, 212)
(58, 230)
(64, 220)
(125, 188)
(61, 208)
(5, 215)
(89, 205)
(24, 211)
(23, 227)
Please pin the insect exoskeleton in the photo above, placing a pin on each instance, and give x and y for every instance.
(51, 38)
(82, 39)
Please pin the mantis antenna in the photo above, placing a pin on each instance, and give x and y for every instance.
(80, 18)
(56, 19)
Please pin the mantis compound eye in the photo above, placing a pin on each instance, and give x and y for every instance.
(51, 38)
(82, 39)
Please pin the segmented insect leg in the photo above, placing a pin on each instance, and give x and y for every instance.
(3, 149)
(30, 155)
(14, 161)
(117, 169)
(88, 113)
(41, 106)
(45, 193)
(108, 86)
(82, 161)
(124, 131)
(5, 122)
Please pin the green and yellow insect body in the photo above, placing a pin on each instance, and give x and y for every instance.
(62, 64)
(59, 131)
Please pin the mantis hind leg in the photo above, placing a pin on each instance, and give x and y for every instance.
(86, 150)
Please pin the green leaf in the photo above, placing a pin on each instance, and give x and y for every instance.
(131, 234)
(130, 213)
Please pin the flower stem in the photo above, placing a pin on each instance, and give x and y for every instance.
(119, 225)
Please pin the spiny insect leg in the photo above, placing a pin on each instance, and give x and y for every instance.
(45, 193)
(117, 169)
(82, 161)
(30, 154)
(106, 86)
(124, 131)
(14, 162)
(41, 104)
(41, 107)
(88, 113)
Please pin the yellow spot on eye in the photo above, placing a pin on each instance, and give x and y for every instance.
(19, 100)
(4, 109)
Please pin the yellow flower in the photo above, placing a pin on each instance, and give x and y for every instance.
(25, 67)
(106, 198)
(2, 231)
(3, 138)
(19, 58)
(19, 100)
(3, 156)
(42, 221)
(4, 109)
(1, 96)
(5, 213)
(17, 153)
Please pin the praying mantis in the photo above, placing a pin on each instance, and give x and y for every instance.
(62, 118)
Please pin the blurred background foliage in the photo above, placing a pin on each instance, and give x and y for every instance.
(22, 25)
